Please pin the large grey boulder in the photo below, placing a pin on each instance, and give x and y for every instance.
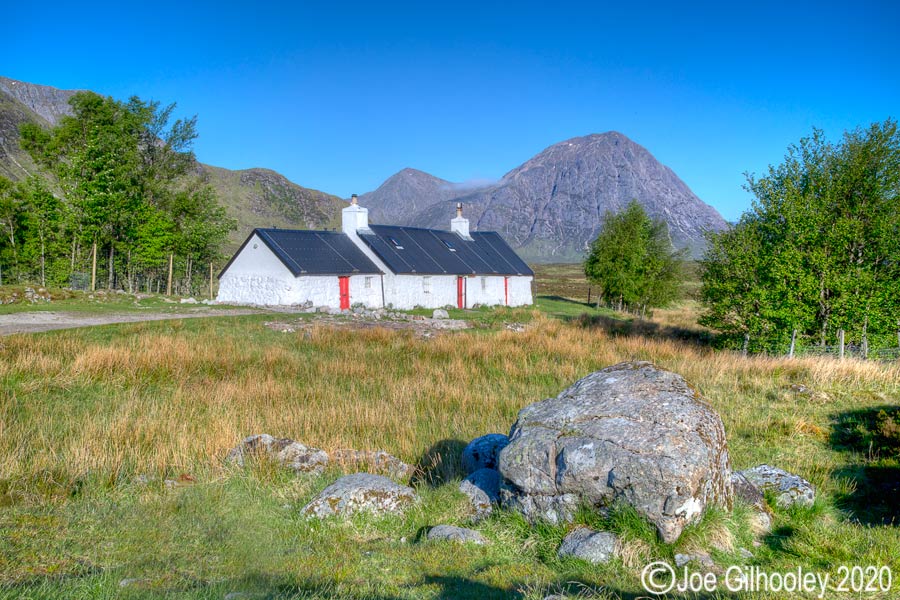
(286, 452)
(629, 433)
(483, 452)
(483, 489)
(360, 492)
(461, 535)
(586, 544)
(789, 489)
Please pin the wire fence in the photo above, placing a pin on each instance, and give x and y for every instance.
(880, 346)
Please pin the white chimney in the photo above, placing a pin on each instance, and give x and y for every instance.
(354, 217)
(460, 225)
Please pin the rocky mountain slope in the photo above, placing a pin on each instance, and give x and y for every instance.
(255, 197)
(405, 194)
(551, 207)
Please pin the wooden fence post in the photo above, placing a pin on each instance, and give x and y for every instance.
(793, 343)
(210, 281)
(746, 344)
(865, 339)
(841, 343)
(169, 284)
(94, 268)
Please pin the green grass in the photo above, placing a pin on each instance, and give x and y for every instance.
(85, 413)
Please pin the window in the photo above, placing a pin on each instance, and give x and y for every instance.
(426, 285)
(483, 283)
(368, 284)
(449, 245)
(396, 244)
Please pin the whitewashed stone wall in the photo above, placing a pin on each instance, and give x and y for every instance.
(520, 291)
(257, 276)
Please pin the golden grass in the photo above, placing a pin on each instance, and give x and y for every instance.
(170, 399)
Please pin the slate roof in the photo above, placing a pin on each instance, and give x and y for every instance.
(313, 252)
(411, 250)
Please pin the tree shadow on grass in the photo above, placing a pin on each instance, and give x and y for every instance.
(872, 436)
(636, 327)
(442, 462)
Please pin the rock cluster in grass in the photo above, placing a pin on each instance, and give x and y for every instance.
(360, 492)
(372, 461)
(629, 433)
(283, 451)
(300, 458)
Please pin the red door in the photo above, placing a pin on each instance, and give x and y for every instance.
(460, 292)
(345, 292)
(506, 291)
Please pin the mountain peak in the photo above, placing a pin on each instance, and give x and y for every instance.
(551, 207)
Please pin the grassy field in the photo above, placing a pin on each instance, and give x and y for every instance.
(92, 422)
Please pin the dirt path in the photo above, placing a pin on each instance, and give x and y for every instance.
(33, 322)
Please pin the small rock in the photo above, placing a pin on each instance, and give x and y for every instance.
(761, 522)
(360, 492)
(170, 483)
(700, 558)
(745, 554)
(131, 581)
(286, 452)
(790, 489)
(188, 301)
(483, 489)
(449, 533)
(747, 492)
(484, 452)
(586, 544)
(440, 313)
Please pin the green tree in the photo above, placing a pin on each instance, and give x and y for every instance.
(42, 243)
(819, 249)
(633, 263)
(10, 217)
(130, 187)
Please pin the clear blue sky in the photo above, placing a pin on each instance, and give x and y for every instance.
(339, 96)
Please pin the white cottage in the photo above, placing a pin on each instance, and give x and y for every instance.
(376, 266)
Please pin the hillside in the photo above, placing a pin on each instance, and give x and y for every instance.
(406, 194)
(551, 207)
(254, 197)
(264, 198)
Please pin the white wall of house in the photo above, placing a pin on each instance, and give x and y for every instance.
(520, 290)
(257, 276)
(427, 291)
